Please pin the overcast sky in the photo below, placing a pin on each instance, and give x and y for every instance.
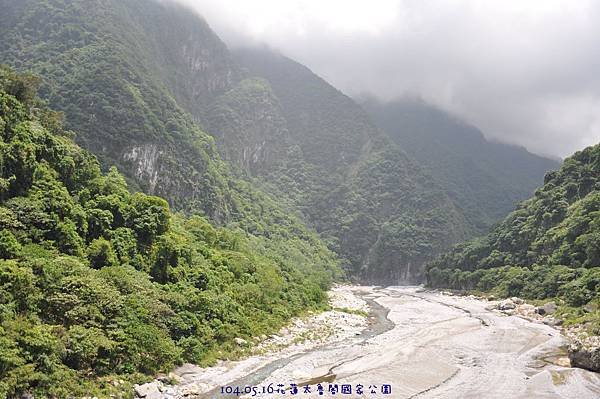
(524, 72)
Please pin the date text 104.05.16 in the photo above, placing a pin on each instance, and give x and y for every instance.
(319, 389)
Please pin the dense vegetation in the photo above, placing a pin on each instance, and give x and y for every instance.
(109, 67)
(548, 247)
(376, 207)
(484, 179)
(98, 284)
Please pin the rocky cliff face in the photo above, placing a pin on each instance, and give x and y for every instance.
(330, 128)
(189, 57)
(249, 127)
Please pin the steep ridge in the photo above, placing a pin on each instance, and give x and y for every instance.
(377, 206)
(549, 247)
(485, 179)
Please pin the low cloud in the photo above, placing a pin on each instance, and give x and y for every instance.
(524, 72)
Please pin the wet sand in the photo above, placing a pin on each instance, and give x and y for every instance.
(430, 345)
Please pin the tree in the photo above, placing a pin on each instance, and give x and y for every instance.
(100, 254)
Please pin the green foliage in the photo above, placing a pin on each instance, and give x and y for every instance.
(100, 253)
(9, 246)
(484, 179)
(548, 247)
(99, 284)
(374, 206)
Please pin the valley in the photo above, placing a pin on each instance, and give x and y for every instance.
(180, 215)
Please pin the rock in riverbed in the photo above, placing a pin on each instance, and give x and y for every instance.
(150, 390)
(548, 308)
(517, 300)
(506, 305)
(585, 357)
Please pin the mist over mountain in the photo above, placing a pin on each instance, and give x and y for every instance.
(522, 72)
(485, 179)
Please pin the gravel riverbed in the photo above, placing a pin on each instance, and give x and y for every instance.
(418, 344)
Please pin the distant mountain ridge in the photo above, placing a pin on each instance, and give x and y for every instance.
(486, 179)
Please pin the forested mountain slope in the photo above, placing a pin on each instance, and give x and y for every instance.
(485, 179)
(99, 284)
(378, 208)
(548, 247)
(111, 66)
(135, 77)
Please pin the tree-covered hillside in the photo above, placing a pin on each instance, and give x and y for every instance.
(379, 209)
(110, 66)
(484, 179)
(98, 284)
(548, 247)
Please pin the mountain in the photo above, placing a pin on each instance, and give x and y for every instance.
(377, 206)
(142, 81)
(484, 179)
(549, 247)
(111, 67)
(101, 285)
(121, 72)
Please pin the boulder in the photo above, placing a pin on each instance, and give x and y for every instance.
(590, 307)
(585, 357)
(170, 378)
(550, 307)
(527, 309)
(192, 389)
(546, 309)
(506, 305)
(552, 322)
(240, 341)
(517, 300)
(540, 310)
(149, 390)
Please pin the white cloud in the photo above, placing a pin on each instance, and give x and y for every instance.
(524, 71)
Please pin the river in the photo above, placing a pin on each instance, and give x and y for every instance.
(422, 344)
